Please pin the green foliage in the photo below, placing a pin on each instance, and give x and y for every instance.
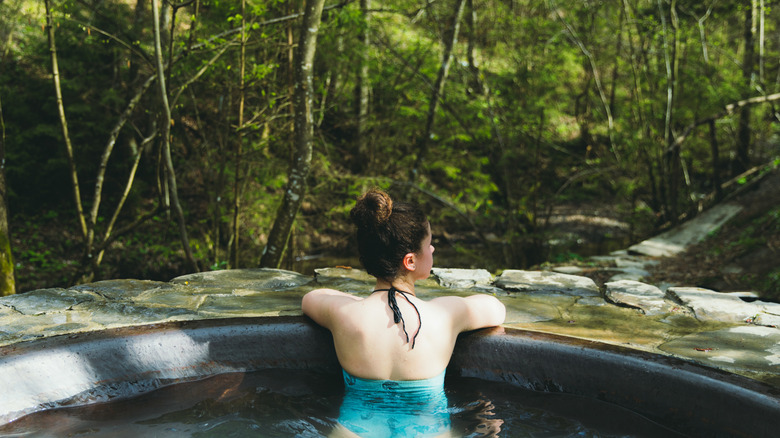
(771, 285)
(567, 257)
(521, 132)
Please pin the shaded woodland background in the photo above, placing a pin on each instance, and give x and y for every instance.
(504, 118)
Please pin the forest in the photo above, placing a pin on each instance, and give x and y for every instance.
(152, 138)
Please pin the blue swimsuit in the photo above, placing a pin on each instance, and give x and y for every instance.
(393, 408)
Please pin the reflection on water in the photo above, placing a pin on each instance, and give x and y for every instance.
(286, 403)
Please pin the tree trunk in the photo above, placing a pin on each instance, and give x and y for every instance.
(673, 163)
(364, 155)
(63, 120)
(291, 67)
(239, 143)
(670, 160)
(93, 252)
(299, 170)
(616, 67)
(743, 131)
(7, 281)
(478, 84)
(715, 162)
(166, 140)
(438, 88)
(596, 77)
(645, 128)
(761, 41)
(137, 26)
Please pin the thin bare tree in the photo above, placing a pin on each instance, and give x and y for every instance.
(240, 140)
(596, 76)
(744, 131)
(450, 39)
(304, 131)
(55, 69)
(363, 85)
(166, 143)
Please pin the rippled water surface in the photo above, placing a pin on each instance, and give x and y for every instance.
(288, 403)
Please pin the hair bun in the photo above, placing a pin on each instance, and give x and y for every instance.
(372, 209)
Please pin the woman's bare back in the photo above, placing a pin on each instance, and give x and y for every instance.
(369, 344)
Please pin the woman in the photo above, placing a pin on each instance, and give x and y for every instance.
(392, 346)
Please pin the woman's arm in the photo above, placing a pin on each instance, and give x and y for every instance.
(484, 311)
(474, 312)
(320, 305)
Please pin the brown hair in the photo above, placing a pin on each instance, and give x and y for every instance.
(386, 232)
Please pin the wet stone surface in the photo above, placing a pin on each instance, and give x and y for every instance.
(743, 349)
(120, 289)
(44, 300)
(255, 279)
(647, 298)
(462, 278)
(543, 281)
(690, 323)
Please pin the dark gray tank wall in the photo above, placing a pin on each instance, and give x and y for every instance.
(692, 399)
(99, 366)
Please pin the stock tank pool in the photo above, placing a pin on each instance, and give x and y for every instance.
(278, 376)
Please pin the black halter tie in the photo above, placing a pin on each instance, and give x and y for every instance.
(397, 317)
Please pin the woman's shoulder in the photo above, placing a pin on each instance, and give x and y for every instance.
(472, 312)
(448, 302)
(322, 304)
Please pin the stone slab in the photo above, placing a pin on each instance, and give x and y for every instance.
(46, 300)
(344, 272)
(120, 288)
(115, 314)
(629, 273)
(254, 304)
(714, 306)
(554, 302)
(545, 281)
(462, 278)
(649, 299)
(571, 270)
(693, 231)
(258, 279)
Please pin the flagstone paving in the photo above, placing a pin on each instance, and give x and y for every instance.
(536, 300)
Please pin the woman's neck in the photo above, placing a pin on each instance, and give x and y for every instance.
(402, 284)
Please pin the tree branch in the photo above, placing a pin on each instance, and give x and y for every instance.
(107, 154)
(727, 111)
(107, 236)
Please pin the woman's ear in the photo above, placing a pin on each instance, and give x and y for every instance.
(409, 261)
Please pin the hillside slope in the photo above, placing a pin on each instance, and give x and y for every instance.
(743, 255)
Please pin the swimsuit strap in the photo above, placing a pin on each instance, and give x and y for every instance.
(397, 317)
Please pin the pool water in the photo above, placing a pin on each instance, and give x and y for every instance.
(285, 403)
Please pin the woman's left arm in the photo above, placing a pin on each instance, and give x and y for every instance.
(321, 304)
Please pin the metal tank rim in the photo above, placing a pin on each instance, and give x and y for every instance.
(92, 367)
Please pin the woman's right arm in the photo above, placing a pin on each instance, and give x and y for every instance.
(474, 312)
